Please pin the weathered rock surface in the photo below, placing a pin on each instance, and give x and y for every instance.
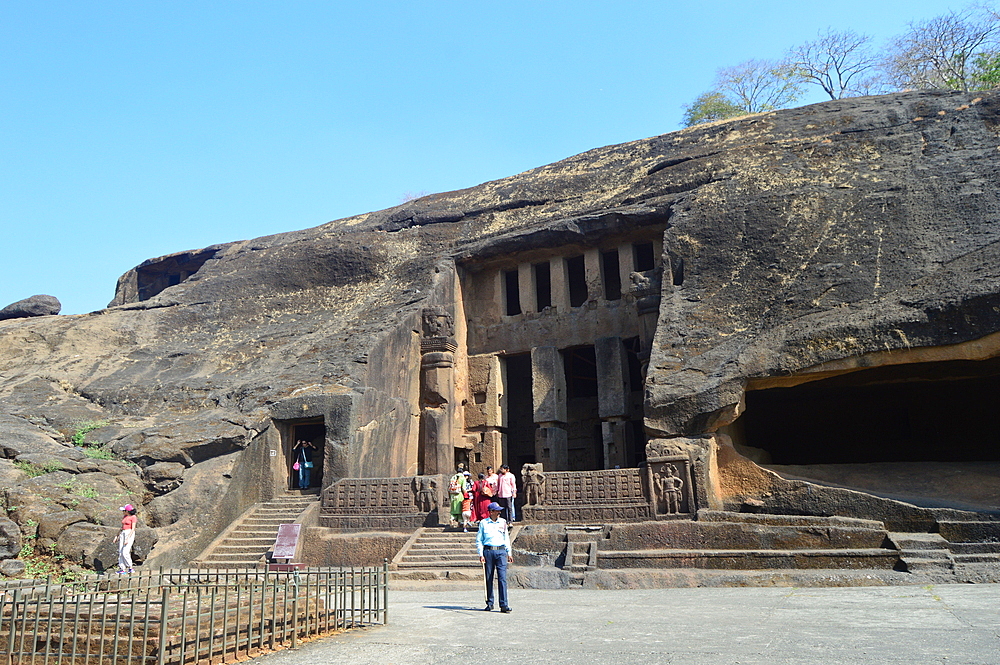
(10, 538)
(793, 239)
(40, 305)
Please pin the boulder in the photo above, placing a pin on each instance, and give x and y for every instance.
(10, 538)
(12, 567)
(89, 544)
(51, 525)
(40, 305)
(20, 437)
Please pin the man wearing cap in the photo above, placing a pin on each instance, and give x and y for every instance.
(493, 544)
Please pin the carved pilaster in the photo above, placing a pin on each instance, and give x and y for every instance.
(437, 390)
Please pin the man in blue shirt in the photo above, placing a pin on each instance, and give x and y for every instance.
(493, 544)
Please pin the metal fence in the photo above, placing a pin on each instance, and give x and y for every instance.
(177, 617)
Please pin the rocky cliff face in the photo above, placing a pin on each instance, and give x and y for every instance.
(793, 239)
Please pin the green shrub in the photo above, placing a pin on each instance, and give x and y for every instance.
(99, 452)
(79, 436)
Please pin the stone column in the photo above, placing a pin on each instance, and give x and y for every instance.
(526, 288)
(560, 284)
(592, 266)
(437, 391)
(548, 394)
(645, 288)
(613, 399)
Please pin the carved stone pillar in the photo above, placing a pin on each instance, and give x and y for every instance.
(613, 400)
(437, 392)
(645, 288)
(548, 394)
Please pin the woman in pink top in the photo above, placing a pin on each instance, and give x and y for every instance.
(125, 538)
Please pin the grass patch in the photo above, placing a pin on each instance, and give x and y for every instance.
(79, 436)
(99, 452)
(34, 470)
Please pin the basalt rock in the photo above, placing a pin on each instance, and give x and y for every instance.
(790, 246)
(40, 305)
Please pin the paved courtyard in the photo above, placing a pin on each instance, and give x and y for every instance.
(952, 624)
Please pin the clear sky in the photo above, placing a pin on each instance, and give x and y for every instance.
(130, 130)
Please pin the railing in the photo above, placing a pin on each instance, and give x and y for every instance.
(176, 617)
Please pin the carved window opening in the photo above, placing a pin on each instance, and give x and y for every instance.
(512, 293)
(576, 275)
(543, 286)
(643, 256)
(611, 275)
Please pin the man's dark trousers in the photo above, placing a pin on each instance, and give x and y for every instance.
(496, 562)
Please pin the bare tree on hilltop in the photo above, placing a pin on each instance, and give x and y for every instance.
(959, 50)
(839, 62)
(956, 51)
(753, 86)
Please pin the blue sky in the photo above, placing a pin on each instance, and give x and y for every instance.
(130, 130)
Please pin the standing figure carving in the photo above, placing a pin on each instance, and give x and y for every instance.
(670, 488)
(533, 481)
(426, 494)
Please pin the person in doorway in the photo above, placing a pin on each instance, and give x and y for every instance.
(457, 487)
(125, 539)
(506, 493)
(482, 496)
(493, 545)
(303, 455)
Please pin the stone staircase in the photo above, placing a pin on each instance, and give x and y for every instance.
(434, 553)
(245, 543)
(972, 544)
(923, 552)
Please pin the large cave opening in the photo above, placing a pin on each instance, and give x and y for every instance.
(921, 412)
(921, 433)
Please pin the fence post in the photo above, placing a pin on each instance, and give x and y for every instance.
(163, 626)
(385, 592)
(295, 608)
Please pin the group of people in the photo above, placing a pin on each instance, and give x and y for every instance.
(470, 500)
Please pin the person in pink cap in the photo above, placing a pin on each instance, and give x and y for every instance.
(125, 538)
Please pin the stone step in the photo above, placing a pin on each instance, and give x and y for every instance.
(787, 520)
(975, 548)
(439, 565)
(452, 574)
(969, 532)
(750, 559)
(982, 557)
(439, 547)
(416, 558)
(926, 565)
(918, 541)
(941, 555)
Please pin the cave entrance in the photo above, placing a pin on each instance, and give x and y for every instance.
(312, 431)
(923, 412)
(904, 431)
(519, 419)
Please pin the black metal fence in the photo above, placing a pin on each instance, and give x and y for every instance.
(177, 617)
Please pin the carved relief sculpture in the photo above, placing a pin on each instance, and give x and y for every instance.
(533, 482)
(426, 494)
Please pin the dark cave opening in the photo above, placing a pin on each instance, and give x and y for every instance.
(922, 412)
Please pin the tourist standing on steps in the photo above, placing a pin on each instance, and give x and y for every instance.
(506, 493)
(482, 496)
(125, 539)
(493, 545)
(303, 451)
(457, 486)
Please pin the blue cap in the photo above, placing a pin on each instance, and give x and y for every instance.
(494, 506)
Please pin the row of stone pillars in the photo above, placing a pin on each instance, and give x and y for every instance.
(548, 392)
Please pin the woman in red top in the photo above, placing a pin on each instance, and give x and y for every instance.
(480, 500)
(125, 538)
